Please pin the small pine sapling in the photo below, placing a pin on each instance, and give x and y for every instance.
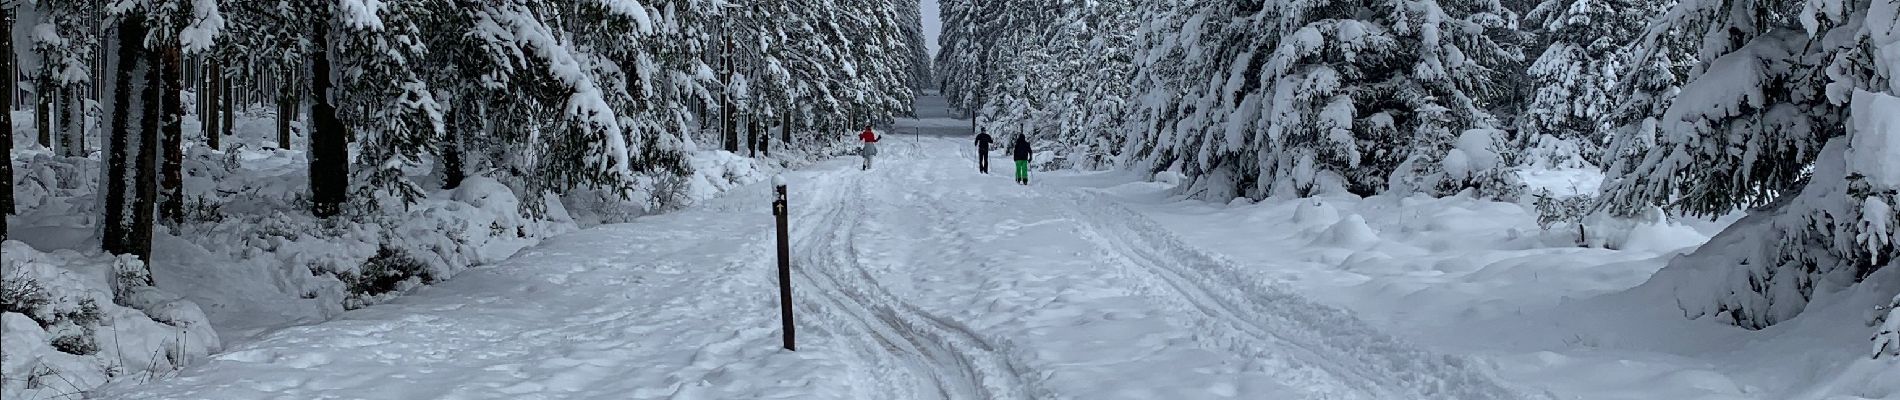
(1553, 210)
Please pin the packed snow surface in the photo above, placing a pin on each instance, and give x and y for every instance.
(919, 279)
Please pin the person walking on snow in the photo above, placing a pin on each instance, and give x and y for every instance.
(1021, 150)
(870, 146)
(983, 141)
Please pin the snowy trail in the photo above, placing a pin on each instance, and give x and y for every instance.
(1320, 351)
(1306, 340)
(920, 279)
(939, 354)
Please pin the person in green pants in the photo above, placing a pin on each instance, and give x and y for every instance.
(1020, 149)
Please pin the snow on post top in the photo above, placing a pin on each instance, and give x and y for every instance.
(778, 180)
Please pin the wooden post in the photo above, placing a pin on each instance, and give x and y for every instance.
(780, 212)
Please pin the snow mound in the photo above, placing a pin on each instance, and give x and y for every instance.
(1874, 150)
(1349, 232)
(70, 322)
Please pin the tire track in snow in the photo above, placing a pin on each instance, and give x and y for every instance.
(1311, 342)
(948, 359)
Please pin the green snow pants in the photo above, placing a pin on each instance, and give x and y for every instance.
(1022, 172)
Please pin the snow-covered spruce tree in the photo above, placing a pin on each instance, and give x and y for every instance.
(1644, 93)
(1790, 111)
(1573, 81)
(913, 33)
(1160, 63)
(1104, 66)
(64, 41)
(363, 87)
(801, 69)
(1296, 98)
(1371, 97)
(966, 54)
(388, 107)
(1062, 80)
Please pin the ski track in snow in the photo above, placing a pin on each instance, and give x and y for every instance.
(1310, 342)
(916, 280)
(945, 356)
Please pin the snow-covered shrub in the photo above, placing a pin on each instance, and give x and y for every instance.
(54, 183)
(1479, 161)
(70, 322)
(390, 270)
(1555, 211)
(1887, 338)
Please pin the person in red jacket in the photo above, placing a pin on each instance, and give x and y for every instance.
(870, 145)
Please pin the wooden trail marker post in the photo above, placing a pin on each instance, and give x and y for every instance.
(780, 213)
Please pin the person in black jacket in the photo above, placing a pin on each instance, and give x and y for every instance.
(1021, 150)
(983, 141)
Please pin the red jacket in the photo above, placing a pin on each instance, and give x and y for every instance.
(868, 136)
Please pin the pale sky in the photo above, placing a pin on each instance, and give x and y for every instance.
(933, 25)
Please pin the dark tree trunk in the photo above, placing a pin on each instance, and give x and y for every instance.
(229, 104)
(731, 135)
(452, 169)
(329, 140)
(42, 110)
(121, 136)
(286, 108)
(785, 132)
(209, 117)
(6, 119)
(150, 139)
(130, 177)
(752, 135)
(172, 129)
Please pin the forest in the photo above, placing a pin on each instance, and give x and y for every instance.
(336, 153)
(250, 165)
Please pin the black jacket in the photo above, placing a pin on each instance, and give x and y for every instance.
(983, 141)
(1020, 148)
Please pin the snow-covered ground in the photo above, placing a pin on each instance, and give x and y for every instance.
(1480, 278)
(919, 279)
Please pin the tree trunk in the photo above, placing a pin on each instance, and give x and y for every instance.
(731, 135)
(130, 179)
(452, 169)
(286, 108)
(42, 110)
(150, 139)
(172, 129)
(752, 135)
(6, 119)
(785, 132)
(228, 103)
(329, 140)
(208, 119)
(73, 135)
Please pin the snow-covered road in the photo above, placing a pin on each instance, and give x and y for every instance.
(920, 279)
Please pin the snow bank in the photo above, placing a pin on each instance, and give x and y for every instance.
(1477, 277)
(1874, 149)
(268, 265)
(714, 172)
(1887, 338)
(72, 321)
